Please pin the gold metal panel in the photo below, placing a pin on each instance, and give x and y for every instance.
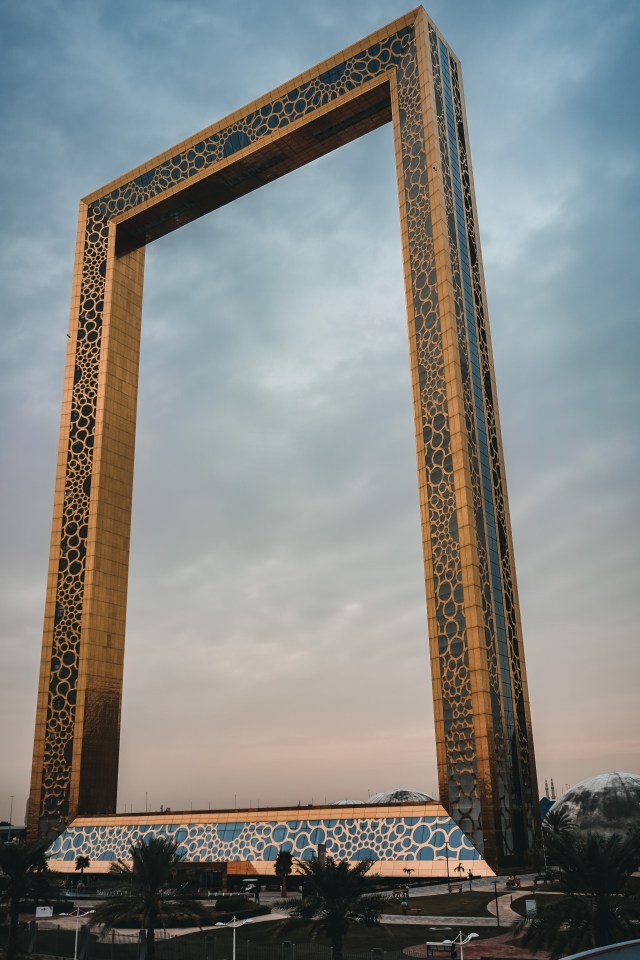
(404, 72)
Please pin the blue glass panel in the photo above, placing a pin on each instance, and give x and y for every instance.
(438, 839)
(421, 834)
(279, 834)
(425, 853)
(333, 75)
(456, 840)
(229, 831)
(235, 142)
(365, 853)
(270, 853)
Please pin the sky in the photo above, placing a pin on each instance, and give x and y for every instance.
(277, 644)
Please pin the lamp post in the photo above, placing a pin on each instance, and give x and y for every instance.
(495, 890)
(458, 939)
(77, 916)
(234, 923)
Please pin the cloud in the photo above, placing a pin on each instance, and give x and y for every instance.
(276, 624)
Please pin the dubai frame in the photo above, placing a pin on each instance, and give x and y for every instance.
(405, 73)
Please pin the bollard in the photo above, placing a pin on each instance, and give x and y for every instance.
(83, 943)
(287, 950)
(32, 937)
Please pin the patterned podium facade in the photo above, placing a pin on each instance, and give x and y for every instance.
(407, 74)
(420, 837)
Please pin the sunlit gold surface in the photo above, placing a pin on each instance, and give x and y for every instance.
(76, 743)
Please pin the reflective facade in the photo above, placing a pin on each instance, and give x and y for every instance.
(421, 837)
(405, 73)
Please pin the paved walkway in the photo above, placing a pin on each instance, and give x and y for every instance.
(499, 946)
(424, 920)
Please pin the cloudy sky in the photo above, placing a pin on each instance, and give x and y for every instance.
(276, 641)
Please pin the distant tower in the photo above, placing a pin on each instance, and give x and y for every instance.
(406, 73)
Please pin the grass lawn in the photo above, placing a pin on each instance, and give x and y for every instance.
(466, 904)
(359, 938)
(542, 899)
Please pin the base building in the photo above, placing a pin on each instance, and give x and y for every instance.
(420, 837)
(406, 74)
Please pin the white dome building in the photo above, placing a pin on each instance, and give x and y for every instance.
(607, 803)
(401, 796)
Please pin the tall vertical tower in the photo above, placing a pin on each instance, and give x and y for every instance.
(405, 73)
(486, 764)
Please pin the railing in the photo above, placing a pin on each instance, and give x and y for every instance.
(49, 939)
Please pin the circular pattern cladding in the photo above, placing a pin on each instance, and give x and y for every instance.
(352, 838)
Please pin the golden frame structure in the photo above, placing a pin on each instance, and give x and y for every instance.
(406, 73)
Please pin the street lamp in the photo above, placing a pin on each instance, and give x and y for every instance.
(495, 890)
(458, 939)
(234, 923)
(77, 915)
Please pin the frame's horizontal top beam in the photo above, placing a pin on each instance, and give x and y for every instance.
(325, 67)
(292, 149)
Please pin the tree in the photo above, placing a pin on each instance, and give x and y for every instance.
(145, 895)
(82, 863)
(24, 874)
(337, 895)
(283, 867)
(600, 905)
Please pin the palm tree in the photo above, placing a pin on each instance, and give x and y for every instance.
(82, 863)
(283, 868)
(600, 905)
(23, 874)
(337, 894)
(145, 885)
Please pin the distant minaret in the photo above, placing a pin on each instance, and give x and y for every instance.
(546, 788)
(553, 790)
